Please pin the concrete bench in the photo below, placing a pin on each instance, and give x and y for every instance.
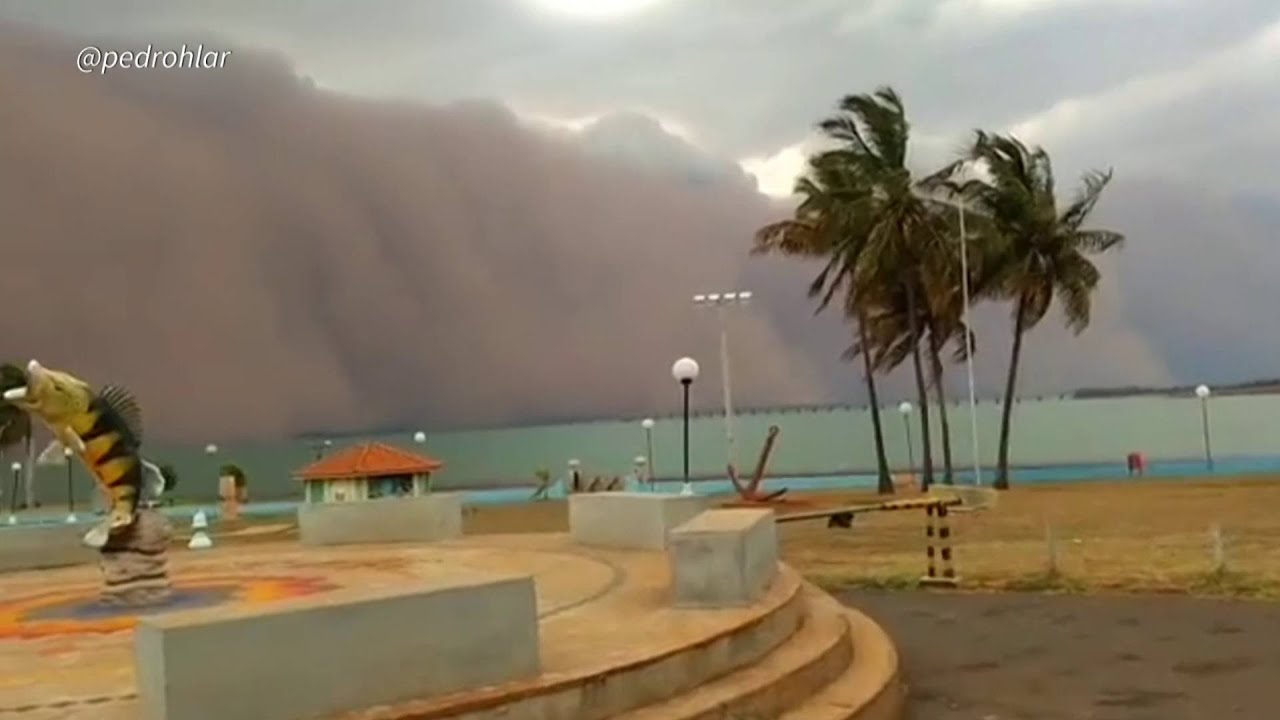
(337, 653)
(35, 547)
(723, 558)
(630, 520)
(425, 518)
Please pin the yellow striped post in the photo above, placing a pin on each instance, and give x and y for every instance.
(939, 531)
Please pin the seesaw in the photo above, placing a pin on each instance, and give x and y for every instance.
(938, 499)
(937, 503)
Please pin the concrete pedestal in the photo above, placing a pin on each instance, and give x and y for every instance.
(724, 558)
(630, 520)
(337, 653)
(424, 518)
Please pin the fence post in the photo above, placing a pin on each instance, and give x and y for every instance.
(1218, 548)
(1051, 546)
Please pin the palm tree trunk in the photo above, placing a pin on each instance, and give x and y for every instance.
(884, 486)
(1010, 387)
(935, 358)
(926, 445)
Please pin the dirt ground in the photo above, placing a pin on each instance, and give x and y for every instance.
(970, 656)
(1150, 536)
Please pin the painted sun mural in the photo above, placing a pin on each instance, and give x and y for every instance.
(77, 611)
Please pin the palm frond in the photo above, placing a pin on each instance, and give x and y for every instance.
(1092, 185)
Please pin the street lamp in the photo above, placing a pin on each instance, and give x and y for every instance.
(648, 424)
(212, 450)
(720, 301)
(574, 477)
(420, 438)
(320, 447)
(71, 487)
(16, 467)
(1203, 392)
(905, 408)
(685, 371)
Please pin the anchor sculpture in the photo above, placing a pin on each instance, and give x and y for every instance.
(750, 493)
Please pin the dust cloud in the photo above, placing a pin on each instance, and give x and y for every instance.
(254, 257)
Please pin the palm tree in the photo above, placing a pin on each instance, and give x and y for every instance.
(825, 226)
(890, 341)
(16, 428)
(1045, 251)
(900, 228)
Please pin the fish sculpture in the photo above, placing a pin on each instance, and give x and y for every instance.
(103, 428)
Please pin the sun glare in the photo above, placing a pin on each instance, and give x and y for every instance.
(595, 9)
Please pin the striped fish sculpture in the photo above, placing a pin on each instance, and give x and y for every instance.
(103, 428)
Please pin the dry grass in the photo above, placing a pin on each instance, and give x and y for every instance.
(1126, 537)
(1119, 536)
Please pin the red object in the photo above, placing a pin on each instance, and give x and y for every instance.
(1137, 463)
(369, 460)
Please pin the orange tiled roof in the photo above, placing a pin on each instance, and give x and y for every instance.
(368, 460)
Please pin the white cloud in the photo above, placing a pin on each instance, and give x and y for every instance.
(579, 123)
(967, 17)
(776, 174)
(594, 10)
(1256, 58)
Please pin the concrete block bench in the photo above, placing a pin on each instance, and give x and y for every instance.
(723, 558)
(630, 520)
(425, 518)
(337, 653)
(35, 547)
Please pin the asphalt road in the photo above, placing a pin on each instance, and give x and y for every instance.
(1057, 657)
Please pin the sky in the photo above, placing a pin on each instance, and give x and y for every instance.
(494, 211)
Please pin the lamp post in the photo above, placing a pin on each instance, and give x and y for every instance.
(648, 424)
(905, 409)
(1203, 392)
(211, 450)
(71, 487)
(721, 301)
(16, 467)
(420, 438)
(685, 371)
(320, 447)
(574, 478)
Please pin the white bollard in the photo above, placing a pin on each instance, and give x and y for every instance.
(200, 539)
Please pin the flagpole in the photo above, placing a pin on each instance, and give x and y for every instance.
(968, 345)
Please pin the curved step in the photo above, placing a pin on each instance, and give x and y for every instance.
(811, 659)
(622, 680)
(870, 688)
